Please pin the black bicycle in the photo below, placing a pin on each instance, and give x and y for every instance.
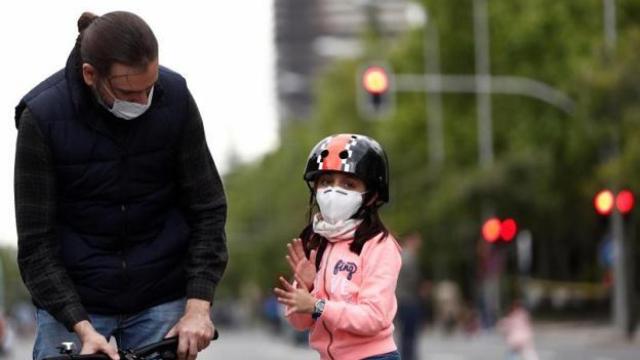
(161, 350)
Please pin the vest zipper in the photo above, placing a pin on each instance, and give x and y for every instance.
(123, 204)
(326, 264)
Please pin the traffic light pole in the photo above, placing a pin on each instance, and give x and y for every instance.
(630, 271)
(623, 290)
(620, 303)
(435, 131)
(483, 83)
(624, 316)
(482, 87)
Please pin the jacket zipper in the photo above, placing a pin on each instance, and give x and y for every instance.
(330, 340)
(326, 264)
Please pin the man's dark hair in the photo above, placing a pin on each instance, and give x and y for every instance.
(116, 37)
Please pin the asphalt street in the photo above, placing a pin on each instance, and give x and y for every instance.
(553, 342)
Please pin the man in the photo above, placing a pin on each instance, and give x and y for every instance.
(120, 209)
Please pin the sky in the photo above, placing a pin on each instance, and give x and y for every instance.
(223, 48)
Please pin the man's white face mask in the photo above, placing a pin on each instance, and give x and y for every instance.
(128, 110)
(337, 204)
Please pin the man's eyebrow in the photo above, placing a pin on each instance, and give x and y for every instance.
(125, 91)
(112, 77)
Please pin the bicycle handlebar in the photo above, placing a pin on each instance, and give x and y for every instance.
(162, 350)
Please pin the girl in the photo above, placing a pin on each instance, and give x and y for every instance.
(345, 263)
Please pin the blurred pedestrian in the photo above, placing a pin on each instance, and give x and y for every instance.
(271, 313)
(409, 299)
(469, 319)
(490, 264)
(119, 206)
(346, 263)
(518, 332)
(448, 305)
(7, 337)
(24, 315)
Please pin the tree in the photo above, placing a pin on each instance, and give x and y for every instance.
(547, 164)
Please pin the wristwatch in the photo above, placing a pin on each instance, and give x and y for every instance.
(318, 308)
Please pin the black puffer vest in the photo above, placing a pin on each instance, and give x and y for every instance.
(123, 236)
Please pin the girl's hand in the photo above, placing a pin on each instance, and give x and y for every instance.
(301, 266)
(298, 300)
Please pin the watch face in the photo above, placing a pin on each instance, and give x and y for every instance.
(318, 308)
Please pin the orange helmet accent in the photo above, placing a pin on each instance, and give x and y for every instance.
(337, 153)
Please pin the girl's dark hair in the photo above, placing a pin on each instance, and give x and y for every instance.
(115, 37)
(370, 227)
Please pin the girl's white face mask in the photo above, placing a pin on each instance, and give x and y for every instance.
(337, 204)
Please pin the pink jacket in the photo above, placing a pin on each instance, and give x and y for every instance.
(357, 321)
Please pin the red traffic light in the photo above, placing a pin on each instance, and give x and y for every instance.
(494, 230)
(508, 229)
(625, 202)
(603, 202)
(375, 80)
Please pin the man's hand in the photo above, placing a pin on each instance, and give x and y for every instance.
(93, 342)
(194, 330)
(303, 267)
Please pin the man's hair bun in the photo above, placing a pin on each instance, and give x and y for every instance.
(85, 20)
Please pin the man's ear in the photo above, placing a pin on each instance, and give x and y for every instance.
(89, 74)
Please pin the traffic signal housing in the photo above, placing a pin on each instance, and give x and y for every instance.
(375, 85)
(605, 202)
(495, 229)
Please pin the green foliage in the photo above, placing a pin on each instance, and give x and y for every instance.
(547, 167)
